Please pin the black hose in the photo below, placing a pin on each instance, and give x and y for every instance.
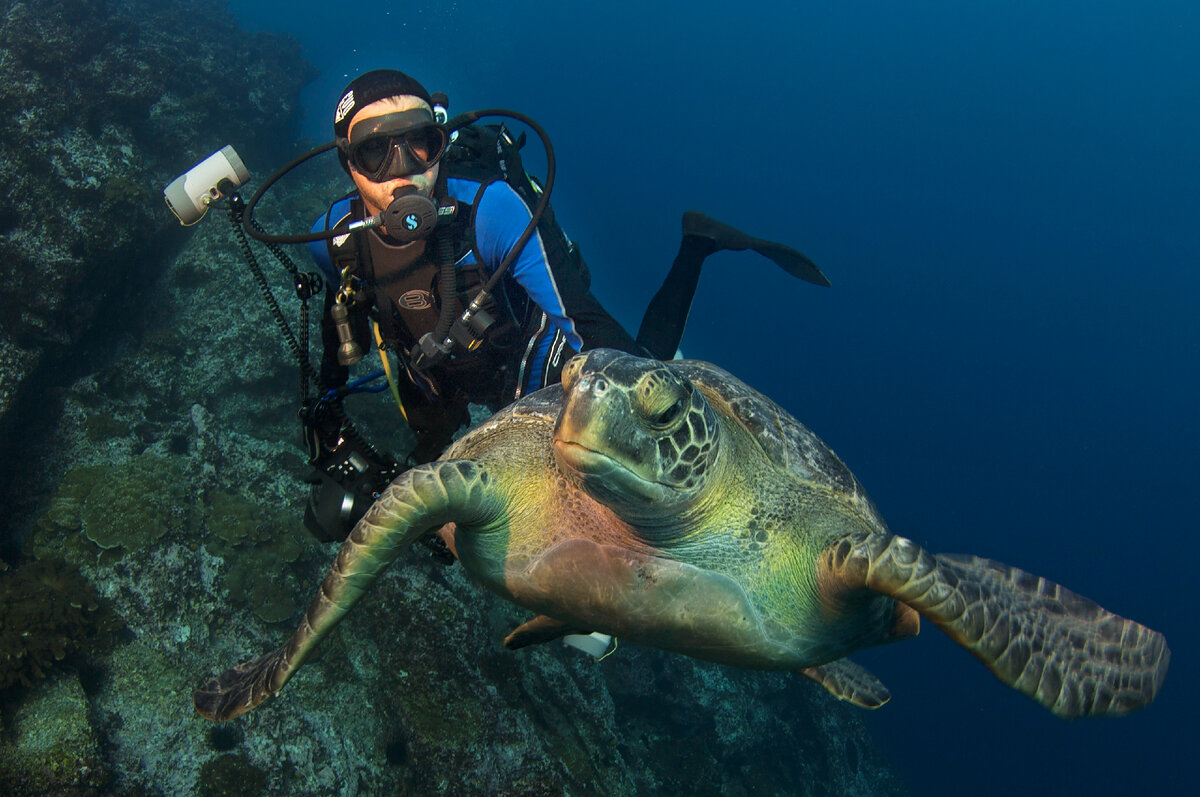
(539, 209)
(447, 287)
(256, 232)
(301, 354)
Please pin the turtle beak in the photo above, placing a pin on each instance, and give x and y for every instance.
(583, 407)
(590, 443)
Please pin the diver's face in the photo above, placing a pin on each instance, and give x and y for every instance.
(377, 196)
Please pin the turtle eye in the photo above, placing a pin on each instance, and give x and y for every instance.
(662, 400)
(667, 417)
(570, 371)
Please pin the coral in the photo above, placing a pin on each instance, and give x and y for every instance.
(135, 504)
(260, 543)
(66, 507)
(49, 612)
(129, 505)
(235, 521)
(256, 582)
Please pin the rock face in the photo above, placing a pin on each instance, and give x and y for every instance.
(101, 103)
(164, 516)
(180, 503)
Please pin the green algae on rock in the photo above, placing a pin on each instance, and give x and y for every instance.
(50, 745)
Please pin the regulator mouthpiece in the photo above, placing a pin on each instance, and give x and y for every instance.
(410, 217)
(190, 194)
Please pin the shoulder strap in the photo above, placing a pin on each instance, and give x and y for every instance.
(489, 153)
(485, 153)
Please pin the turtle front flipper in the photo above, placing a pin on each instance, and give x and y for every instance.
(418, 501)
(241, 688)
(1061, 649)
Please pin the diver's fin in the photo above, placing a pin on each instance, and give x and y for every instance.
(791, 261)
(727, 237)
(537, 631)
(1061, 649)
(847, 681)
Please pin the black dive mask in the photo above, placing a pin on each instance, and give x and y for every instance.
(395, 145)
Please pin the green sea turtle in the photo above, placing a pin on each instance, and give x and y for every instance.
(671, 505)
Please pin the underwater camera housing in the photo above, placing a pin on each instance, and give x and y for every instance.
(190, 194)
(345, 482)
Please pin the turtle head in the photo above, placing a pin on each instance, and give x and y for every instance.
(640, 438)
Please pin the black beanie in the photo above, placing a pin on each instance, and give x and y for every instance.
(368, 88)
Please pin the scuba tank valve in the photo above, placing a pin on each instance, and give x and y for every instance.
(441, 105)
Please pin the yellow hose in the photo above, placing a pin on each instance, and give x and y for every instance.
(387, 369)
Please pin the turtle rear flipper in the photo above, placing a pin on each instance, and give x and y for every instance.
(848, 681)
(1061, 649)
(539, 630)
(240, 688)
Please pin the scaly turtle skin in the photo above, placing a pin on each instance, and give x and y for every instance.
(671, 505)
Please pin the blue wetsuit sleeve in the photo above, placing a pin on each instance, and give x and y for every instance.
(319, 250)
(499, 221)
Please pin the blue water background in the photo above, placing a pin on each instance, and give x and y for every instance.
(1006, 196)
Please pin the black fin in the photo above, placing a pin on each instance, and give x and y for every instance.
(731, 238)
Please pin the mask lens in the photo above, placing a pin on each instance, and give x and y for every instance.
(426, 144)
(370, 156)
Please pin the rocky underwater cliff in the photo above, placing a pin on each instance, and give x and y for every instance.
(152, 499)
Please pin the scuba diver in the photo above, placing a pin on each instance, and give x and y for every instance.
(465, 276)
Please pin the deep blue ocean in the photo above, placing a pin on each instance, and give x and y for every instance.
(1006, 197)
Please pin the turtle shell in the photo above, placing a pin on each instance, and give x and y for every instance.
(785, 441)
